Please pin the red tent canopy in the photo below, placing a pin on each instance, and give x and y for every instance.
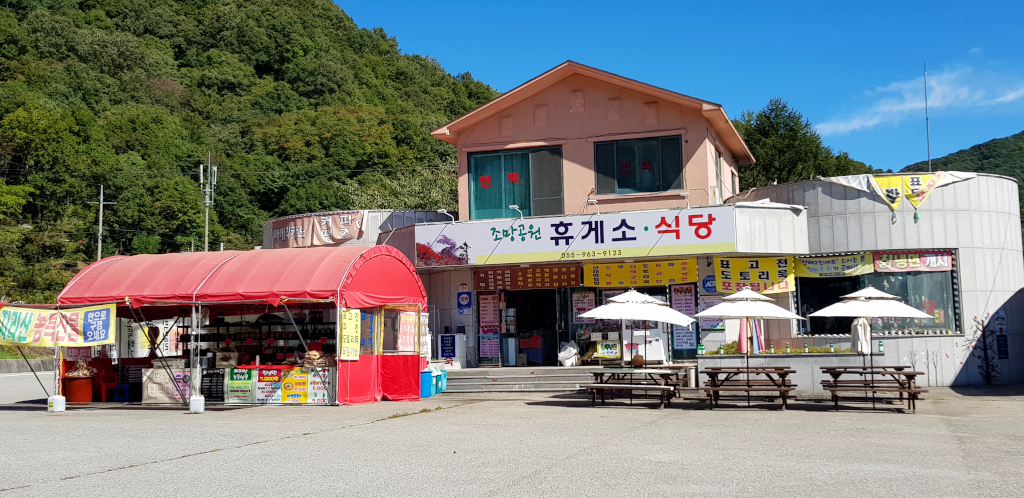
(354, 277)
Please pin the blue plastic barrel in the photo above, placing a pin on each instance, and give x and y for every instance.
(426, 384)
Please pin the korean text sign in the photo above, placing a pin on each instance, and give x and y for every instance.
(349, 324)
(644, 273)
(764, 275)
(92, 326)
(899, 261)
(578, 237)
(835, 266)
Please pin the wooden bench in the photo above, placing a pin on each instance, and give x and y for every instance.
(873, 380)
(748, 380)
(665, 393)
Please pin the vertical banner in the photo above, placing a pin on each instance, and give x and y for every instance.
(407, 331)
(490, 320)
(763, 275)
(683, 299)
(582, 302)
(349, 324)
(426, 342)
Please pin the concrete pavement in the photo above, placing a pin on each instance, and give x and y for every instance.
(512, 445)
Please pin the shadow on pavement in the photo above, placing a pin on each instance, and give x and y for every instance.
(1000, 390)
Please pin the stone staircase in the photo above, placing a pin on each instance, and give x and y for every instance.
(518, 379)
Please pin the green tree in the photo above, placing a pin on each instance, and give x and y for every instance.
(787, 148)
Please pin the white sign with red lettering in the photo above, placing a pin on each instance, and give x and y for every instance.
(665, 232)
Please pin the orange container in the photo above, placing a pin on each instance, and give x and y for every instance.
(78, 389)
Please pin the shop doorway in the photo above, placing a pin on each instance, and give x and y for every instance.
(536, 325)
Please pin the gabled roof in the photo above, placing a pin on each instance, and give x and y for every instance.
(714, 113)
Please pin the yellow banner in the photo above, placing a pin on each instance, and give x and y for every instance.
(764, 275)
(349, 323)
(80, 327)
(644, 273)
(890, 188)
(835, 266)
(919, 187)
(295, 386)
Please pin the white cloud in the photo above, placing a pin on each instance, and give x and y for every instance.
(950, 90)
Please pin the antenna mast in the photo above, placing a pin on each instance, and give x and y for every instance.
(927, 125)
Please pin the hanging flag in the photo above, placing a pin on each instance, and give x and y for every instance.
(890, 188)
(918, 187)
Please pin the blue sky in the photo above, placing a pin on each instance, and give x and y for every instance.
(854, 69)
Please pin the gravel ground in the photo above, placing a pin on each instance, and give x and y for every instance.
(964, 442)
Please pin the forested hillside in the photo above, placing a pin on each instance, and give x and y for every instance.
(299, 108)
(1002, 156)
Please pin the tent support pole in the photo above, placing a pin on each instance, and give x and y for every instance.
(58, 367)
(319, 371)
(163, 361)
(29, 363)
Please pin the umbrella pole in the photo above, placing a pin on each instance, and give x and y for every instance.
(746, 358)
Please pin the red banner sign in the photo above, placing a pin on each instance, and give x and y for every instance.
(534, 277)
(322, 229)
(900, 261)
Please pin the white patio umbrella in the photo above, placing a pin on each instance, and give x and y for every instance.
(747, 304)
(868, 303)
(638, 306)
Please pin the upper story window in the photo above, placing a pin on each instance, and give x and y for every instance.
(528, 178)
(640, 165)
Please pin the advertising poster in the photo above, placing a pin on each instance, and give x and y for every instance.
(647, 273)
(407, 331)
(92, 326)
(711, 323)
(267, 387)
(349, 324)
(519, 278)
(295, 386)
(582, 302)
(835, 266)
(490, 310)
(900, 261)
(683, 299)
(763, 275)
(608, 349)
(318, 229)
(447, 346)
(425, 343)
(158, 387)
(703, 230)
(239, 385)
(490, 344)
(319, 385)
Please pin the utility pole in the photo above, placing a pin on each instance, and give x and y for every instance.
(99, 231)
(927, 123)
(207, 187)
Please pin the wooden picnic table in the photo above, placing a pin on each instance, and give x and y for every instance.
(879, 379)
(612, 380)
(727, 379)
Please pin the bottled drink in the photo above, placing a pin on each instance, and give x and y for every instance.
(881, 349)
(806, 350)
(831, 348)
(787, 348)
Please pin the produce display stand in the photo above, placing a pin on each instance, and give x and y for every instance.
(376, 358)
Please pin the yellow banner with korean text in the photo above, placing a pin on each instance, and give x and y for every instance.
(350, 334)
(889, 188)
(918, 187)
(764, 275)
(79, 327)
(835, 266)
(640, 274)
